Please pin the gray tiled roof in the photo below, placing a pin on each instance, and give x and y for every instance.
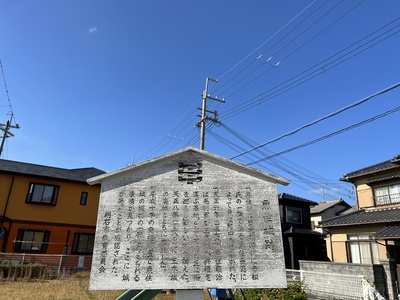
(305, 231)
(81, 174)
(324, 205)
(386, 165)
(370, 216)
(295, 198)
(381, 179)
(388, 232)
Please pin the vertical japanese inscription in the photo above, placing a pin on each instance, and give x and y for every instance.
(177, 237)
(105, 240)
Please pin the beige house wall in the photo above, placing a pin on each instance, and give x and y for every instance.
(339, 247)
(336, 244)
(365, 196)
(328, 242)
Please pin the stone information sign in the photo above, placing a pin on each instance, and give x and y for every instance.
(173, 229)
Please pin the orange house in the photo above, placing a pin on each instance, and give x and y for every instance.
(47, 210)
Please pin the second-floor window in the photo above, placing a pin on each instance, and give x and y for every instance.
(293, 215)
(387, 195)
(42, 193)
(84, 196)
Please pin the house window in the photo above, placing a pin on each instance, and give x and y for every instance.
(83, 243)
(293, 215)
(387, 195)
(362, 250)
(42, 193)
(84, 196)
(29, 240)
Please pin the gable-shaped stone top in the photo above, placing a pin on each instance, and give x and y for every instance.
(28, 169)
(185, 154)
(379, 167)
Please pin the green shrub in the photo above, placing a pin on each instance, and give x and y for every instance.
(294, 291)
(21, 271)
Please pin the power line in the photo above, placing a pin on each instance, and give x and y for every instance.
(295, 38)
(319, 68)
(6, 89)
(315, 181)
(288, 23)
(323, 118)
(8, 125)
(291, 83)
(330, 135)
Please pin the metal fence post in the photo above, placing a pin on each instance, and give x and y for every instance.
(59, 264)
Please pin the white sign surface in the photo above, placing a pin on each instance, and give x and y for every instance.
(163, 228)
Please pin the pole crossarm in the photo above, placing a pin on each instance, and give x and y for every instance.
(204, 117)
(6, 133)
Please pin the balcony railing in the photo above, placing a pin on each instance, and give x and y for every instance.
(387, 199)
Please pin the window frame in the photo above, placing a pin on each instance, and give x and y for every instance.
(77, 240)
(84, 198)
(387, 198)
(296, 209)
(359, 241)
(35, 185)
(18, 246)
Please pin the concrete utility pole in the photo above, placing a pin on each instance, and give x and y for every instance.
(204, 110)
(6, 133)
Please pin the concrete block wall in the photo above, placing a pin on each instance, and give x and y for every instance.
(342, 279)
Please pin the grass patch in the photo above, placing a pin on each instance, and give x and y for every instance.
(73, 287)
(70, 288)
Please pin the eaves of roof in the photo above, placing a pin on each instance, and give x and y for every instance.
(286, 196)
(27, 169)
(370, 216)
(192, 151)
(303, 231)
(382, 179)
(383, 166)
(389, 232)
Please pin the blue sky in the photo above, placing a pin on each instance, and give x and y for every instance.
(108, 83)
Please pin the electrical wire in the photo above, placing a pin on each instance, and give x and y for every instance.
(329, 135)
(12, 117)
(318, 69)
(357, 103)
(287, 24)
(299, 35)
(295, 81)
(259, 57)
(284, 165)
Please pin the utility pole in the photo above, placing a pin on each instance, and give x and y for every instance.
(6, 133)
(204, 111)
